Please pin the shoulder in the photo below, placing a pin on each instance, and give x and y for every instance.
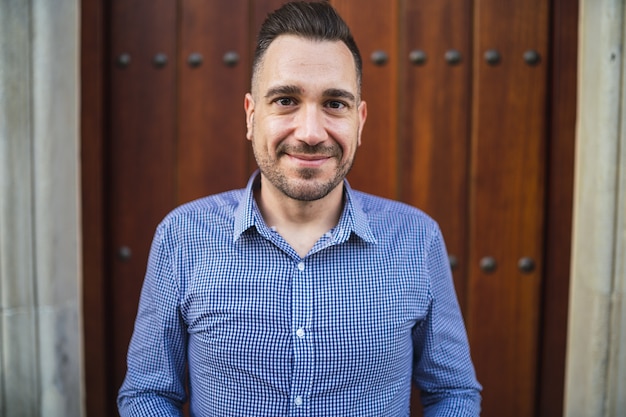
(383, 212)
(215, 210)
(227, 200)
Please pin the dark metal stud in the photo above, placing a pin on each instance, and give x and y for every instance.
(418, 57)
(194, 60)
(123, 60)
(160, 60)
(124, 253)
(532, 57)
(492, 57)
(526, 265)
(231, 58)
(379, 58)
(488, 264)
(453, 57)
(454, 262)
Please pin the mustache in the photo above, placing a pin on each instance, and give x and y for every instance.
(305, 149)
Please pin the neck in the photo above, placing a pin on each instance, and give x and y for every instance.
(300, 223)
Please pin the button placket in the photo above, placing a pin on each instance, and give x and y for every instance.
(302, 349)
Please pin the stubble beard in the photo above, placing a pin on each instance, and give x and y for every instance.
(303, 186)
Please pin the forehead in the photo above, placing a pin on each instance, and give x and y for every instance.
(293, 60)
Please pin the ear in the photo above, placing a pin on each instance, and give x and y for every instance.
(362, 112)
(248, 105)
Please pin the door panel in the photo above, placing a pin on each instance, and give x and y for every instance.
(141, 148)
(507, 200)
(214, 76)
(436, 119)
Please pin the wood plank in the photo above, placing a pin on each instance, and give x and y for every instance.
(142, 149)
(560, 185)
(507, 201)
(435, 119)
(434, 124)
(92, 73)
(212, 146)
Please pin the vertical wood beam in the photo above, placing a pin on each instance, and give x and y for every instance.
(141, 145)
(212, 145)
(435, 120)
(560, 186)
(92, 130)
(509, 126)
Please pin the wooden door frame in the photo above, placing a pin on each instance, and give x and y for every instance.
(559, 205)
(559, 199)
(93, 26)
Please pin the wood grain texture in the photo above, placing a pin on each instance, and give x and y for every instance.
(436, 118)
(212, 147)
(92, 130)
(507, 201)
(560, 186)
(142, 149)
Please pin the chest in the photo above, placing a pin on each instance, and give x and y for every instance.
(342, 307)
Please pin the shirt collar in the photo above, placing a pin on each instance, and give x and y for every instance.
(353, 219)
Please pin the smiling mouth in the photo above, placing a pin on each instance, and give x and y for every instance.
(308, 161)
(309, 156)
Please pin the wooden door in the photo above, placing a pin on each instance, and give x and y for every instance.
(463, 123)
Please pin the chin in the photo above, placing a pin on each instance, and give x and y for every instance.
(309, 189)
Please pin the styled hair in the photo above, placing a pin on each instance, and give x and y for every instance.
(317, 21)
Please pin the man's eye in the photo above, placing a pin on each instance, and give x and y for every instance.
(284, 101)
(336, 105)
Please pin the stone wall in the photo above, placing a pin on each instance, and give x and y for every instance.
(596, 362)
(40, 323)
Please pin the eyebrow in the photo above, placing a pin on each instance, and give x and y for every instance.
(339, 93)
(283, 90)
(295, 90)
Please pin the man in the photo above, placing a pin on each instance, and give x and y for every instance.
(298, 295)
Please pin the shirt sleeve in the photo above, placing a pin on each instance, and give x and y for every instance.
(443, 369)
(155, 377)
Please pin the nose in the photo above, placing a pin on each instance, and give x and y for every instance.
(310, 126)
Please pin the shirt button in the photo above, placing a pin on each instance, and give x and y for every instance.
(301, 266)
(300, 332)
(298, 400)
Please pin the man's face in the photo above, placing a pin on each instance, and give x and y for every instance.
(304, 116)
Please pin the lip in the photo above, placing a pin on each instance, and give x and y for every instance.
(311, 161)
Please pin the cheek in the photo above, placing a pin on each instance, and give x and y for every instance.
(346, 135)
(274, 130)
(262, 138)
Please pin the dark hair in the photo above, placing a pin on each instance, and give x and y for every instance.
(311, 20)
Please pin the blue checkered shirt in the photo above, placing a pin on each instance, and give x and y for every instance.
(231, 317)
